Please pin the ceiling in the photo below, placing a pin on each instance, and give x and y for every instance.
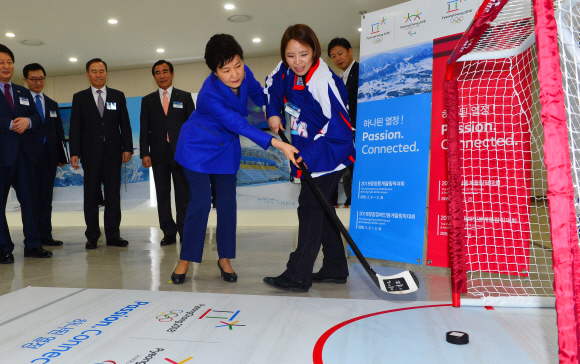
(80, 28)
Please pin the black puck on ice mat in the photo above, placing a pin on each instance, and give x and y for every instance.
(457, 337)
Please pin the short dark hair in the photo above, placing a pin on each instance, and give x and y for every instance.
(304, 35)
(221, 49)
(96, 60)
(160, 62)
(339, 42)
(33, 67)
(4, 49)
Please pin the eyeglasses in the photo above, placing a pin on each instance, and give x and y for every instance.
(37, 80)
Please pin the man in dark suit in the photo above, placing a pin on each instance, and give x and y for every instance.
(21, 138)
(341, 53)
(163, 112)
(100, 136)
(48, 160)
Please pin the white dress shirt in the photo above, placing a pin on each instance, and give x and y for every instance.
(41, 94)
(103, 95)
(169, 90)
(344, 74)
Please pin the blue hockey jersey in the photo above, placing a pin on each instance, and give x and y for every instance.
(321, 131)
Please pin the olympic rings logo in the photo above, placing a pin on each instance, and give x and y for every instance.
(168, 316)
(456, 20)
(377, 40)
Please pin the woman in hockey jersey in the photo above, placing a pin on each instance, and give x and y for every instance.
(303, 86)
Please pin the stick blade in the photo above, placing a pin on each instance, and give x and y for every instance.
(402, 283)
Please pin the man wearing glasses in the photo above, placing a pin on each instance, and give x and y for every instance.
(21, 136)
(48, 159)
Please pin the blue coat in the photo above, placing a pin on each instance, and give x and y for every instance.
(209, 141)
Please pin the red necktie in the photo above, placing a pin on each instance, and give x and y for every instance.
(8, 96)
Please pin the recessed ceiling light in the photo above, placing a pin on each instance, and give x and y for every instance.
(256, 40)
(229, 7)
(360, 29)
(239, 18)
(73, 59)
(160, 50)
(113, 21)
(32, 42)
(10, 35)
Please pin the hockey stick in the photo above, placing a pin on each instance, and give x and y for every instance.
(402, 283)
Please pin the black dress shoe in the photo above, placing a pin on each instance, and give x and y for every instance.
(168, 240)
(6, 258)
(228, 277)
(91, 244)
(178, 278)
(118, 242)
(286, 284)
(321, 278)
(51, 242)
(37, 253)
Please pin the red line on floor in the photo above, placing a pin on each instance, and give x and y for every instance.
(317, 353)
(489, 308)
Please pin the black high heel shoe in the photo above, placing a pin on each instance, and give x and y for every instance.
(178, 278)
(228, 277)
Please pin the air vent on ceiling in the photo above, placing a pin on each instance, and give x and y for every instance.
(240, 18)
(32, 42)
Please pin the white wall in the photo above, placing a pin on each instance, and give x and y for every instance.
(140, 82)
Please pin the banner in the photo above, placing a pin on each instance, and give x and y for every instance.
(394, 124)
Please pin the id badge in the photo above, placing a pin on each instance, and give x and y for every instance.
(53, 114)
(177, 105)
(111, 106)
(292, 110)
(24, 101)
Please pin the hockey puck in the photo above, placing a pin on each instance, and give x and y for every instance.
(457, 337)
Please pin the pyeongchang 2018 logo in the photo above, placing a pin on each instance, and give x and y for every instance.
(376, 27)
(453, 5)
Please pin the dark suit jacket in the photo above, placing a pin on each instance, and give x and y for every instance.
(53, 129)
(88, 129)
(352, 88)
(155, 124)
(31, 139)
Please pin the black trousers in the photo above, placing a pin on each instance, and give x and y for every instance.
(108, 172)
(315, 229)
(45, 175)
(22, 177)
(347, 184)
(164, 167)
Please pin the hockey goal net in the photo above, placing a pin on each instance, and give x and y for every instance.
(513, 121)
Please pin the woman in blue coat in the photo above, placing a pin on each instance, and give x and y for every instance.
(209, 149)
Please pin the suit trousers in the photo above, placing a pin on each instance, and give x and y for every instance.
(108, 172)
(164, 168)
(22, 177)
(347, 184)
(315, 229)
(198, 211)
(45, 176)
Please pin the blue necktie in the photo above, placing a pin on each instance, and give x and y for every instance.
(40, 111)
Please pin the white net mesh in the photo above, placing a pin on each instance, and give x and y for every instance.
(568, 20)
(509, 250)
